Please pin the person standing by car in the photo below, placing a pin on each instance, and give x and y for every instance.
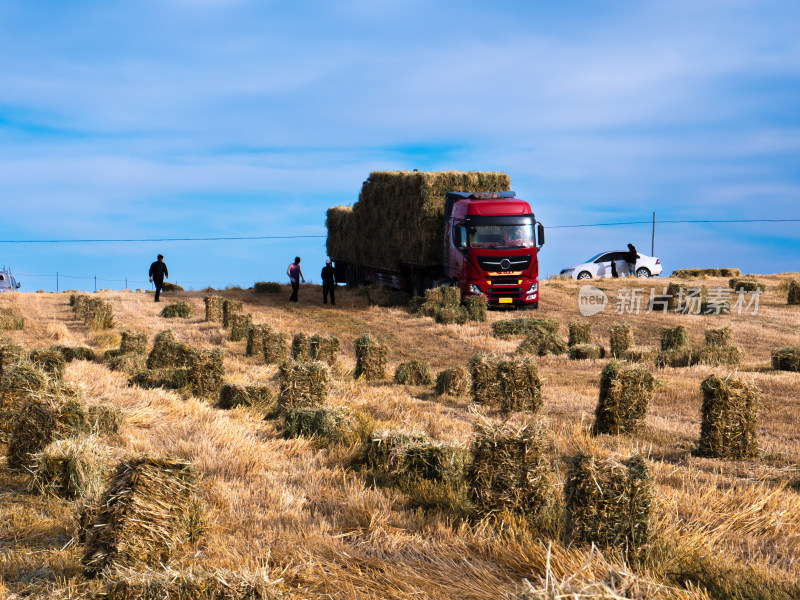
(158, 271)
(295, 275)
(328, 283)
(631, 257)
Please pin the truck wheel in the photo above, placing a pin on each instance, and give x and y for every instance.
(643, 272)
(584, 275)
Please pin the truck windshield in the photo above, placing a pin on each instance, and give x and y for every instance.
(501, 236)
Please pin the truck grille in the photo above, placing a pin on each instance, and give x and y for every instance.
(496, 264)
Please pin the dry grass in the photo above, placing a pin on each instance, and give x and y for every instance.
(296, 510)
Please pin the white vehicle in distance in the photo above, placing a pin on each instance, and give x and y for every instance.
(600, 266)
(7, 281)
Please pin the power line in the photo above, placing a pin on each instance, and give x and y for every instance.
(197, 239)
(674, 221)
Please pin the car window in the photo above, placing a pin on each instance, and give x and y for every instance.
(604, 257)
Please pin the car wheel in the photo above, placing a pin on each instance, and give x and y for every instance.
(584, 275)
(643, 272)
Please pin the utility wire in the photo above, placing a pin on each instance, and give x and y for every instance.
(672, 221)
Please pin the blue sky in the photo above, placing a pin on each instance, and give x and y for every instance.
(201, 118)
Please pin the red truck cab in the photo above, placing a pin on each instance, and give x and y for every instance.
(491, 246)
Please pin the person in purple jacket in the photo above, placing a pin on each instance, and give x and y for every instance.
(295, 275)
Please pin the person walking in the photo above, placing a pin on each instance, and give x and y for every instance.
(295, 275)
(328, 283)
(631, 257)
(158, 271)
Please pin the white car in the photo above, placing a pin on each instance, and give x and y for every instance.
(600, 266)
(7, 281)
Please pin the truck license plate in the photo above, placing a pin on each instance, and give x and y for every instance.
(504, 300)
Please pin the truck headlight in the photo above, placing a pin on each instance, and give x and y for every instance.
(534, 288)
(474, 289)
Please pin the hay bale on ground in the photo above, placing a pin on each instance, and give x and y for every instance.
(625, 395)
(71, 353)
(746, 284)
(97, 313)
(104, 419)
(324, 349)
(542, 343)
(609, 502)
(167, 378)
(580, 333)
(167, 352)
(719, 337)
(42, 419)
(674, 338)
(133, 342)
(730, 418)
(302, 385)
(266, 287)
(177, 310)
(443, 296)
(428, 309)
(214, 310)
(455, 381)
(10, 354)
(171, 287)
(715, 355)
(794, 293)
(509, 471)
(240, 326)
(301, 347)
(449, 316)
(127, 363)
(413, 372)
(206, 373)
(679, 357)
(276, 347)
(621, 340)
(586, 351)
(256, 335)
(10, 321)
(686, 299)
(372, 356)
(379, 447)
(330, 424)
(508, 383)
(233, 395)
(477, 308)
(148, 511)
(641, 354)
(523, 327)
(70, 468)
(426, 460)
(786, 359)
(230, 308)
(50, 361)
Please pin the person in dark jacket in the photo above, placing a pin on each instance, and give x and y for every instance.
(328, 283)
(158, 271)
(631, 259)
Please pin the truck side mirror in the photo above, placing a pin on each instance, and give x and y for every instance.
(540, 234)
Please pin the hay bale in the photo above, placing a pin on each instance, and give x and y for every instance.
(301, 347)
(133, 342)
(207, 373)
(127, 363)
(103, 419)
(233, 395)
(586, 351)
(413, 372)
(428, 309)
(378, 448)
(674, 338)
(70, 468)
(794, 293)
(523, 327)
(177, 310)
(508, 383)
(168, 584)
(722, 336)
(22, 379)
(149, 510)
(324, 349)
(302, 385)
(240, 326)
(42, 419)
(477, 308)
(167, 378)
(168, 353)
(746, 284)
(786, 359)
(609, 502)
(10, 321)
(580, 333)
(372, 356)
(214, 309)
(10, 354)
(455, 381)
(96, 313)
(621, 340)
(694, 273)
(641, 354)
(625, 395)
(730, 418)
(715, 356)
(256, 335)
(680, 357)
(230, 308)
(542, 343)
(71, 353)
(266, 287)
(509, 471)
(171, 287)
(729, 272)
(330, 424)
(276, 347)
(425, 460)
(50, 361)
(685, 299)
(449, 316)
